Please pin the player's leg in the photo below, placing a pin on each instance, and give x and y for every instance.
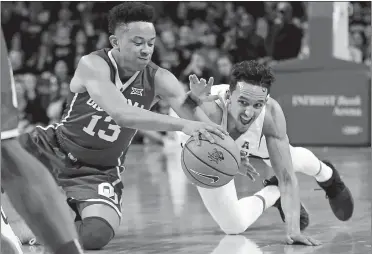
(9, 129)
(84, 187)
(234, 216)
(37, 198)
(327, 177)
(31, 189)
(304, 214)
(97, 225)
(18, 224)
(96, 200)
(262, 154)
(306, 162)
(9, 242)
(303, 160)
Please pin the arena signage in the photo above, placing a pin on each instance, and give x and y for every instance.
(325, 106)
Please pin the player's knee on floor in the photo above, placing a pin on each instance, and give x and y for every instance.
(234, 229)
(94, 232)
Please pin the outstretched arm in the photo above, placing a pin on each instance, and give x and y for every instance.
(169, 89)
(93, 76)
(278, 147)
(275, 131)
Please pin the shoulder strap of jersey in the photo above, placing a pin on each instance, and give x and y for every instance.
(118, 82)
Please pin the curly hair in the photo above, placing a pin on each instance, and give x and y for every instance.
(252, 72)
(129, 12)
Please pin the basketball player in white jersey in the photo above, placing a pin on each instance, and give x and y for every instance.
(254, 118)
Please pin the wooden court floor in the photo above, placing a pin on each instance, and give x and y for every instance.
(163, 213)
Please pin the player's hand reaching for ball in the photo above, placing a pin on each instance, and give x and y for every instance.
(301, 239)
(198, 129)
(201, 89)
(246, 168)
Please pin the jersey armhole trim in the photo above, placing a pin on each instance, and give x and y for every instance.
(9, 134)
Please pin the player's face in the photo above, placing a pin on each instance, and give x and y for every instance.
(136, 42)
(247, 102)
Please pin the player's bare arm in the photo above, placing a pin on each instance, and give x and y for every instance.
(213, 111)
(92, 75)
(168, 88)
(275, 131)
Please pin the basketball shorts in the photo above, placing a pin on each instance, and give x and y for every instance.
(82, 183)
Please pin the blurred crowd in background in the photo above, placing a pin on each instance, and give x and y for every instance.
(47, 39)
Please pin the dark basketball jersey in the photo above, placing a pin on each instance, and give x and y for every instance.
(89, 133)
(9, 111)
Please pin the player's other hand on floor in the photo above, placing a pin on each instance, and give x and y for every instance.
(201, 129)
(301, 240)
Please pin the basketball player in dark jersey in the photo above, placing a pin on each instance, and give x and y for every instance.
(31, 189)
(112, 93)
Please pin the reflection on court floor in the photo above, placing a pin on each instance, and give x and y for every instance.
(163, 213)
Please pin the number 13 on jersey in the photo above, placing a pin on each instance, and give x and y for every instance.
(90, 129)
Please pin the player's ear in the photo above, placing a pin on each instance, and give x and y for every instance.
(228, 94)
(114, 42)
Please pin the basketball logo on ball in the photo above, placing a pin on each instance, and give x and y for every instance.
(210, 165)
(213, 178)
(216, 156)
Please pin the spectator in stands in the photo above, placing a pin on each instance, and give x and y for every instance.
(48, 39)
(53, 88)
(32, 28)
(41, 59)
(58, 104)
(35, 113)
(187, 44)
(284, 39)
(61, 73)
(359, 41)
(63, 44)
(244, 43)
(16, 59)
(214, 17)
(81, 46)
(9, 20)
(169, 56)
(196, 66)
(356, 54)
(24, 125)
(185, 37)
(357, 14)
(224, 65)
(367, 60)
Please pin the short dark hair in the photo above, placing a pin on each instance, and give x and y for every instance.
(129, 12)
(252, 72)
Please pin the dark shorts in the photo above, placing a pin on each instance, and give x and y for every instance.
(82, 183)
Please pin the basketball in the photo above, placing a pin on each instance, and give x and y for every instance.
(210, 165)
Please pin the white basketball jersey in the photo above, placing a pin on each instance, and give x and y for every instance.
(249, 142)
